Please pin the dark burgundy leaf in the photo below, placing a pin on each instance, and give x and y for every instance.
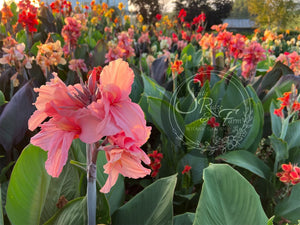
(14, 117)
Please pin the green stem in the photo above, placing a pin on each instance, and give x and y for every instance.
(91, 183)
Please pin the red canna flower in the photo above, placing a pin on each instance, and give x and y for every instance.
(155, 162)
(290, 174)
(203, 74)
(212, 122)
(186, 169)
(29, 20)
(158, 17)
(181, 15)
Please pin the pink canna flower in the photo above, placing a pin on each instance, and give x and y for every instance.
(125, 159)
(251, 56)
(99, 108)
(77, 65)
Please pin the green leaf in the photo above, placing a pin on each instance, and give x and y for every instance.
(184, 219)
(281, 149)
(247, 160)
(72, 213)
(194, 133)
(2, 98)
(275, 120)
(98, 58)
(32, 193)
(228, 198)
(1, 211)
(151, 88)
(290, 208)
(270, 221)
(152, 206)
(166, 119)
(21, 37)
(197, 161)
(293, 134)
(28, 187)
(34, 49)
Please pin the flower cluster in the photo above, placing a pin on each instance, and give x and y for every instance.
(77, 65)
(14, 54)
(122, 50)
(176, 67)
(71, 32)
(251, 56)
(49, 54)
(288, 101)
(204, 73)
(100, 108)
(28, 15)
(290, 174)
(292, 60)
(155, 162)
(61, 6)
(6, 13)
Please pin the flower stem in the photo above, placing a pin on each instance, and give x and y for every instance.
(91, 184)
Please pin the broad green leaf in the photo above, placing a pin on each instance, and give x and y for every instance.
(21, 37)
(189, 50)
(34, 49)
(293, 134)
(28, 187)
(75, 213)
(152, 89)
(65, 185)
(289, 208)
(166, 119)
(228, 198)
(32, 193)
(275, 120)
(247, 160)
(194, 132)
(197, 161)
(281, 149)
(152, 206)
(184, 219)
(137, 86)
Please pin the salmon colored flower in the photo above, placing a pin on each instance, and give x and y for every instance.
(125, 159)
(90, 112)
(71, 32)
(77, 65)
(186, 169)
(50, 54)
(251, 56)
